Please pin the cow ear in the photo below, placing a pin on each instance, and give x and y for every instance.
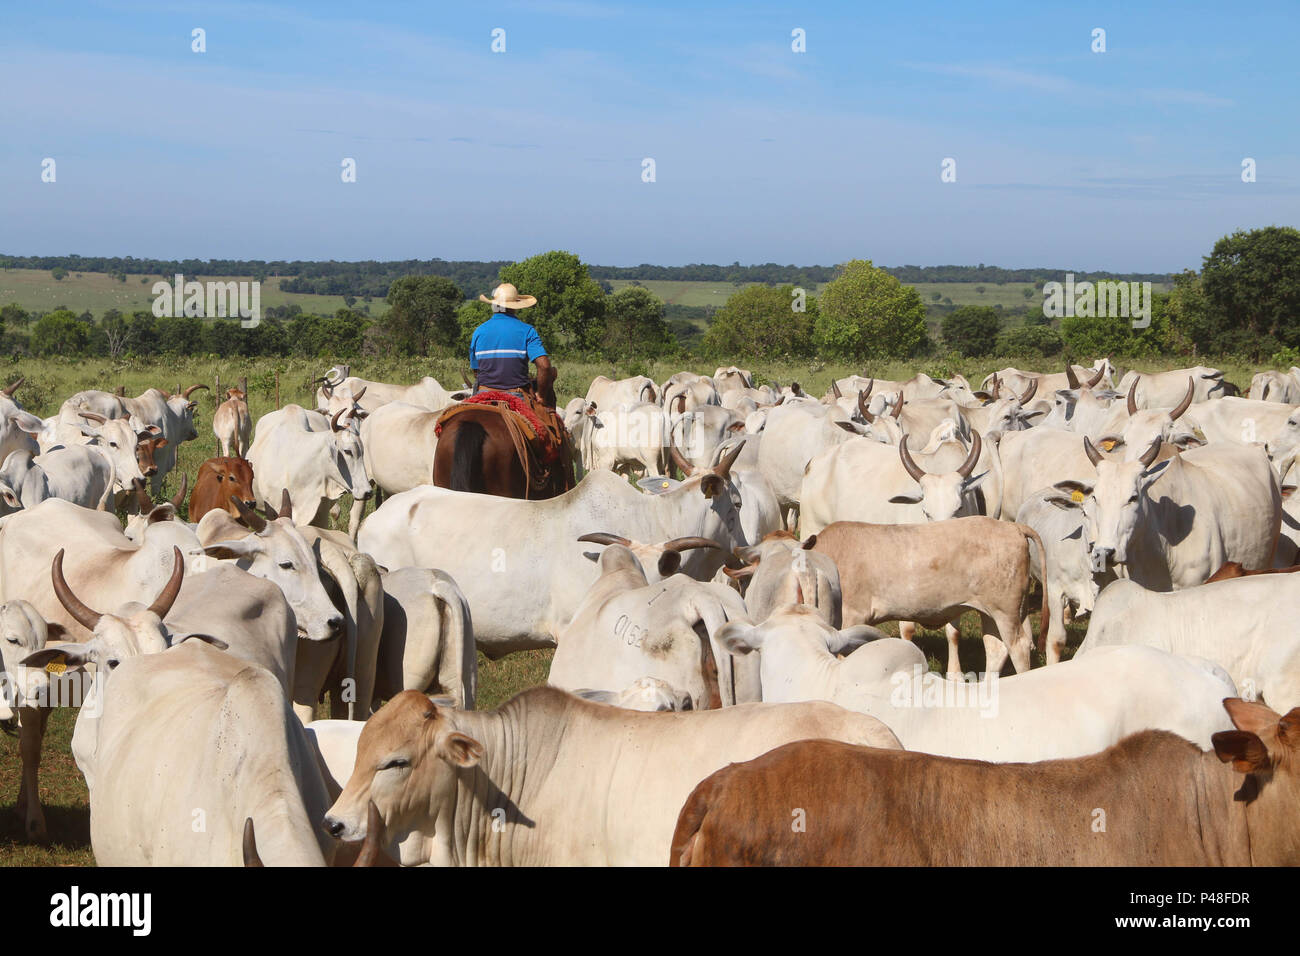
(912, 499)
(1252, 717)
(55, 659)
(739, 637)
(970, 484)
(56, 632)
(459, 750)
(837, 642)
(598, 696)
(229, 550)
(658, 484)
(712, 485)
(1244, 750)
(669, 563)
(1065, 502)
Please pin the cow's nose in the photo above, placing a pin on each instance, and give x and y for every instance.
(1101, 558)
(137, 483)
(250, 502)
(151, 471)
(335, 828)
(335, 625)
(367, 495)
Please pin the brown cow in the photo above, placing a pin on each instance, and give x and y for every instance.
(1153, 799)
(218, 480)
(1231, 569)
(931, 573)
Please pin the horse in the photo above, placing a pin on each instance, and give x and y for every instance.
(476, 452)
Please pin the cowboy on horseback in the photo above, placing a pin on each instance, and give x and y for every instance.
(506, 439)
(502, 347)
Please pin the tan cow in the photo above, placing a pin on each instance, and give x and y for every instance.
(232, 424)
(1165, 802)
(549, 779)
(933, 573)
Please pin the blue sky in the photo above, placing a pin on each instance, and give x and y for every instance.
(1128, 160)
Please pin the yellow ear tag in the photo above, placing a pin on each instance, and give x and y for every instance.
(1076, 495)
(1108, 445)
(664, 485)
(55, 667)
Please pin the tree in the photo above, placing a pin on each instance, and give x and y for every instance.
(1251, 284)
(13, 314)
(470, 316)
(971, 330)
(867, 313)
(422, 314)
(570, 310)
(759, 322)
(635, 326)
(59, 273)
(1027, 292)
(59, 333)
(1029, 341)
(979, 289)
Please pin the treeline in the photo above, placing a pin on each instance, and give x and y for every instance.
(372, 278)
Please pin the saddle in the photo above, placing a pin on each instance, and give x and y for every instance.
(541, 441)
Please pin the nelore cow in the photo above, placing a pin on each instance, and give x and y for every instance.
(232, 424)
(471, 783)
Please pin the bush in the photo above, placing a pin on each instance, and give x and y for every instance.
(866, 313)
(971, 330)
(1029, 341)
(759, 322)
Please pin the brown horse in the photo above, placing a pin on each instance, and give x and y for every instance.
(477, 453)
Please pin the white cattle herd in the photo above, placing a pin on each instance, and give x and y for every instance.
(712, 588)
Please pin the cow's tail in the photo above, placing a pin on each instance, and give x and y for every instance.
(110, 489)
(1032, 536)
(686, 848)
(467, 457)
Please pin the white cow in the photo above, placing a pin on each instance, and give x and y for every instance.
(608, 393)
(1245, 625)
(343, 391)
(399, 442)
(484, 542)
(428, 638)
(81, 474)
(625, 629)
(1165, 389)
(1271, 386)
(232, 425)
(1076, 708)
(317, 467)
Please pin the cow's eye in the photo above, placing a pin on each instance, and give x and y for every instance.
(112, 444)
(12, 640)
(112, 663)
(286, 565)
(395, 763)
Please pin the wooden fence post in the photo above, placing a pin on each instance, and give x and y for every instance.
(277, 389)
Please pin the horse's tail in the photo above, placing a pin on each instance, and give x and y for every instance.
(467, 457)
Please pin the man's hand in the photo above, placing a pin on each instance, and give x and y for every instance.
(546, 374)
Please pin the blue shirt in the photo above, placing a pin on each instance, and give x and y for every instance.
(501, 349)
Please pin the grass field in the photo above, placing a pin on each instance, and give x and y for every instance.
(38, 291)
(49, 382)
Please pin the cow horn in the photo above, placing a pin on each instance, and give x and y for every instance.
(1071, 379)
(913, 469)
(334, 422)
(1097, 378)
(1132, 396)
(167, 596)
(82, 614)
(467, 377)
(95, 417)
(723, 468)
(871, 383)
(250, 845)
(1186, 402)
(686, 544)
(179, 498)
(897, 410)
(606, 537)
(835, 389)
(976, 444)
(687, 468)
(681, 404)
(1029, 392)
(14, 387)
(193, 388)
(1149, 455)
(143, 503)
(286, 504)
(356, 396)
(863, 410)
(247, 515)
(1094, 456)
(374, 841)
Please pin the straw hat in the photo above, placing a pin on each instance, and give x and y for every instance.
(507, 296)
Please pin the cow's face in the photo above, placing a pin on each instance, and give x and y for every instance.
(181, 410)
(232, 478)
(349, 456)
(409, 759)
(1265, 750)
(1285, 446)
(117, 439)
(280, 554)
(23, 632)
(1112, 507)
